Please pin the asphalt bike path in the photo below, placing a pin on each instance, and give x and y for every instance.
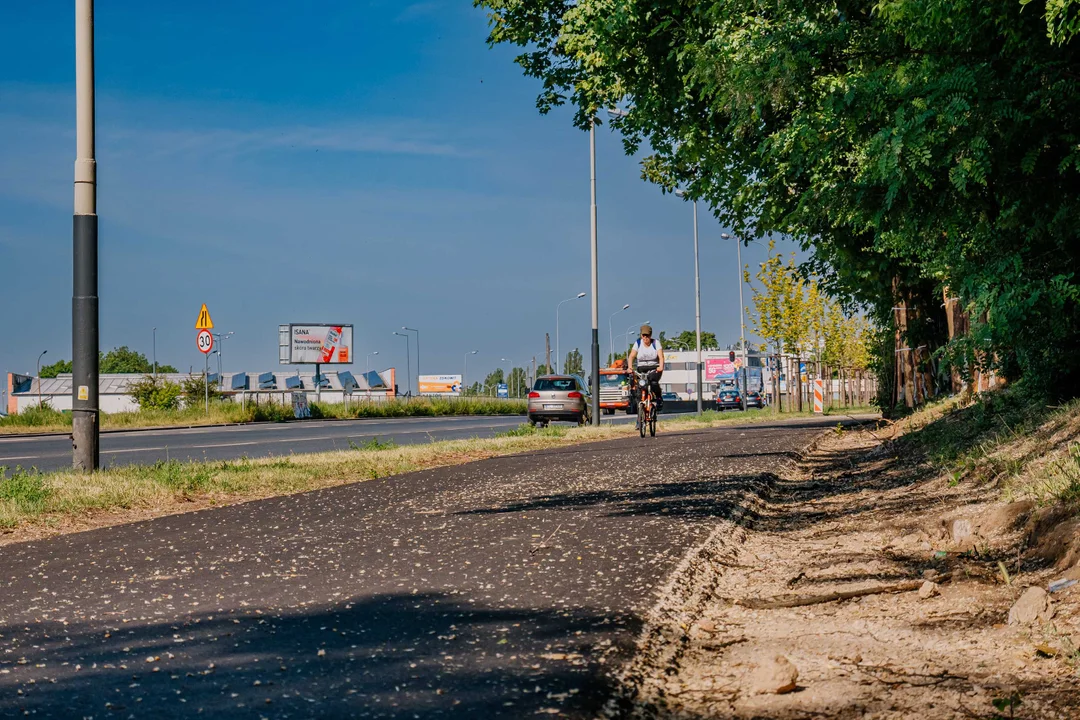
(509, 587)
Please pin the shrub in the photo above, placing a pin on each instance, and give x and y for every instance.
(195, 390)
(156, 393)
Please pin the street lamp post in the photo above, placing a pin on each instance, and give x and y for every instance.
(39, 378)
(508, 360)
(155, 353)
(742, 321)
(610, 338)
(85, 426)
(697, 309)
(408, 368)
(465, 375)
(408, 329)
(594, 377)
(367, 360)
(221, 338)
(557, 347)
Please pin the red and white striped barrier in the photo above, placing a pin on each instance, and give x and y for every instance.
(819, 396)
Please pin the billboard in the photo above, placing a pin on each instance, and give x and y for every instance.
(716, 367)
(440, 384)
(310, 344)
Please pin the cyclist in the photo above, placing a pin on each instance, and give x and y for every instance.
(648, 356)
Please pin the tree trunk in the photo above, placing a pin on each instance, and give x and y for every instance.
(775, 383)
(798, 384)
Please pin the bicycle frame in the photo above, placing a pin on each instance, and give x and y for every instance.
(646, 404)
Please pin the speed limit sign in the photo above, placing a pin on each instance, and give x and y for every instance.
(205, 341)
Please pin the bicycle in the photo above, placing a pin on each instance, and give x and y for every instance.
(646, 407)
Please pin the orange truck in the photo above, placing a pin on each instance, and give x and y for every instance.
(615, 389)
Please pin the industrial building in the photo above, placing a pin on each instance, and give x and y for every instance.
(24, 391)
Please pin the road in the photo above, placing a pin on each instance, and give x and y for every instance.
(53, 452)
(502, 588)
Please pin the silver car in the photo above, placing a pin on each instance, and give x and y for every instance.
(558, 397)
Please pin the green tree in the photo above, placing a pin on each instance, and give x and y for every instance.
(494, 378)
(573, 364)
(57, 368)
(518, 382)
(117, 360)
(124, 360)
(687, 340)
(910, 144)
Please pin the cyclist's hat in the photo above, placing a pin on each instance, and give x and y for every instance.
(646, 329)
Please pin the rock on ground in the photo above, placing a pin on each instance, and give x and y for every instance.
(1033, 605)
(774, 675)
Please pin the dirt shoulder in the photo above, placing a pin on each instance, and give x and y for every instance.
(856, 517)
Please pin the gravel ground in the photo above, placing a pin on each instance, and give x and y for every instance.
(502, 588)
(851, 519)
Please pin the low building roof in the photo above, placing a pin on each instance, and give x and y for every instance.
(120, 383)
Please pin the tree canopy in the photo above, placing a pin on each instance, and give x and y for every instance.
(916, 147)
(117, 360)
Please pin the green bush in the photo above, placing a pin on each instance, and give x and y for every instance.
(156, 393)
(36, 416)
(195, 390)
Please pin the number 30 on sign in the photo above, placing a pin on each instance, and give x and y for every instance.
(205, 341)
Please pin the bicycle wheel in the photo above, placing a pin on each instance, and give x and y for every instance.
(652, 423)
(642, 418)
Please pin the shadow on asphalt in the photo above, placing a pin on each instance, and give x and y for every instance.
(708, 498)
(389, 656)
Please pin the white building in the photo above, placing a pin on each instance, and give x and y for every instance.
(24, 391)
(680, 372)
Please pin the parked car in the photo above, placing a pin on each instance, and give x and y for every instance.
(728, 400)
(558, 397)
(754, 399)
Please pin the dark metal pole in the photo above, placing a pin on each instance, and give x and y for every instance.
(84, 300)
(697, 315)
(594, 379)
(39, 378)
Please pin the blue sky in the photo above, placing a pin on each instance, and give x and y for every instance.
(369, 162)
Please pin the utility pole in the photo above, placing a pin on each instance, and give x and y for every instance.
(697, 315)
(594, 377)
(547, 350)
(85, 430)
(742, 327)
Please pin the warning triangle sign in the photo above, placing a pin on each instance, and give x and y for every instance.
(204, 322)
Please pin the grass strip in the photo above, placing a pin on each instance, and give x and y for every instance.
(46, 419)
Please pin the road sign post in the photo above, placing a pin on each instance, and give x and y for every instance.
(205, 341)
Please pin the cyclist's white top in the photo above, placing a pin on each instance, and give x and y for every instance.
(648, 354)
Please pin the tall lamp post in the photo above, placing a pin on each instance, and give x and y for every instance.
(610, 338)
(742, 321)
(155, 353)
(39, 378)
(508, 360)
(465, 375)
(408, 368)
(557, 348)
(409, 329)
(85, 426)
(221, 338)
(697, 309)
(367, 362)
